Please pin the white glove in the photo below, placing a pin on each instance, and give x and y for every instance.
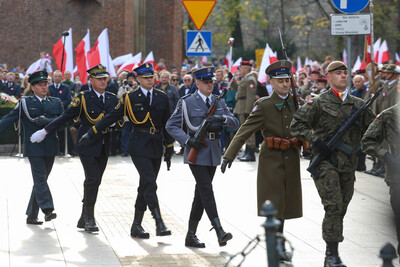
(38, 136)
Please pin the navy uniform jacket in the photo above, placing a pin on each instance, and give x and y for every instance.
(133, 105)
(63, 93)
(196, 108)
(51, 110)
(88, 108)
(14, 89)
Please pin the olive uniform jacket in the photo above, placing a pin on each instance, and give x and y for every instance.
(246, 95)
(388, 97)
(51, 109)
(88, 108)
(278, 177)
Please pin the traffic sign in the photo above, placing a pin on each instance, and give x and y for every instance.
(198, 43)
(351, 24)
(199, 10)
(350, 6)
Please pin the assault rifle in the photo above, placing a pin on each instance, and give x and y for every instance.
(201, 131)
(335, 142)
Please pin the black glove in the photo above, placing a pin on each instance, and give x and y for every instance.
(225, 162)
(84, 138)
(323, 149)
(41, 120)
(392, 163)
(216, 118)
(167, 156)
(193, 142)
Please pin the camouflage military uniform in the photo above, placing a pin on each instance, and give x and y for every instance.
(319, 119)
(386, 128)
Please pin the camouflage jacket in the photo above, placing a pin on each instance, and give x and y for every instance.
(322, 116)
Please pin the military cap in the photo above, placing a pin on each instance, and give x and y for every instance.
(98, 71)
(38, 76)
(380, 67)
(144, 70)
(322, 80)
(336, 65)
(204, 74)
(246, 63)
(279, 69)
(390, 68)
(360, 71)
(315, 72)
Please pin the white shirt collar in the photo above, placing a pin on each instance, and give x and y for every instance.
(283, 97)
(98, 94)
(205, 97)
(144, 91)
(40, 99)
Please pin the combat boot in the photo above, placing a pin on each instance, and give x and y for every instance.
(89, 220)
(250, 156)
(380, 172)
(222, 236)
(161, 229)
(137, 229)
(332, 258)
(191, 239)
(81, 222)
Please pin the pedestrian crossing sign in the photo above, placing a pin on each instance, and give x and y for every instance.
(198, 43)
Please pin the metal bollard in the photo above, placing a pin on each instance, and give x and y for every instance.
(387, 254)
(66, 155)
(271, 226)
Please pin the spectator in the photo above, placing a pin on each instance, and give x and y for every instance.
(67, 80)
(12, 88)
(169, 89)
(160, 66)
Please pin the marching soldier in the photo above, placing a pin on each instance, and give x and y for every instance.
(148, 109)
(89, 106)
(35, 112)
(386, 128)
(190, 111)
(316, 122)
(278, 176)
(245, 98)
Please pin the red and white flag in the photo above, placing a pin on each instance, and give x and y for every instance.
(377, 45)
(75, 71)
(35, 66)
(397, 59)
(100, 53)
(299, 67)
(82, 63)
(118, 61)
(367, 49)
(357, 65)
(203, 60)
(265, 62)
(68, 63)
(383, 53)
(344, 56)
(227, 60)
(272, 55)
(236, 65)
(131, 63)
(149, 58)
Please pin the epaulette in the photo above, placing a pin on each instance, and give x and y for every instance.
(186, 96)
(262, 99)
(158, 90)
(108, 92)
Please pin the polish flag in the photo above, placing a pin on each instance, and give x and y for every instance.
(204, 60)
(363, 65)
(227, 60)
(236, 65)
(68, 63)
(367, 49)
(35, 66)
(299, 67)
(149, 58)
(344, 56)
(75, 71)
(397, 59)
(357, 65)
(383, 53)
(265, 62)
(377, 45)
(131, 63)
(81, 57)
(100, 53)
(273, 57)
(118, 61)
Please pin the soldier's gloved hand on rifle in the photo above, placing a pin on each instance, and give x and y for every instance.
(392, 163)
(169, 151)
(216, 118)
(225, 162)
(85, 137)
(41, 120)
(193, 142)
(323, 149)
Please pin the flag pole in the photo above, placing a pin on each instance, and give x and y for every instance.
(64, 34)
(230, 42)
(371, 10)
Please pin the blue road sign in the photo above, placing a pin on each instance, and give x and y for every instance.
(198, 43)
(350, 6)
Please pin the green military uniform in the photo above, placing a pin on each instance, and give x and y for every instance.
(388, 97)
(278, 177)
(318, 120)
(386, 128)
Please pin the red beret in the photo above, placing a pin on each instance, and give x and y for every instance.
(360, 71)
(315, 72)
(246, 63)
(321, 80)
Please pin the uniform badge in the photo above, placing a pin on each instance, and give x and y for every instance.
(60, 92)
(310, 101)
(255, 108)
(75, 102)
(378, 116)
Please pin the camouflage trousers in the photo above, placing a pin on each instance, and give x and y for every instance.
(251, 142)
(336, 190)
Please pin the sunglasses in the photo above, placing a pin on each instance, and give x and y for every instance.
(174, 80)
(186, 80)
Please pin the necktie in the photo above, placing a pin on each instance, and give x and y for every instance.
(43, 102)
(208, 102)
(101, 100)
(148, 98)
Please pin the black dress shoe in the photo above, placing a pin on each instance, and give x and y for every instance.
(33, 221)
(49, 216)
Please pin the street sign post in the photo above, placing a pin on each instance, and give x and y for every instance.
(350, 6)
(359, 24)
(198, 43)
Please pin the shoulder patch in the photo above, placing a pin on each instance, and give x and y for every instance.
(75, 102)
(310, 101)
(251, 85)
(158, 90)
(378, 116)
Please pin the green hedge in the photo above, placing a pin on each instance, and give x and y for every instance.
(10, 136)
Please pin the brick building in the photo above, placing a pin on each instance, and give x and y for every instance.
(31, 26)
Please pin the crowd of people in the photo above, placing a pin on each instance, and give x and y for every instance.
(142, 112)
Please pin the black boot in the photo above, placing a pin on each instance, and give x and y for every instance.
(250, 156)
(90, 222)
(332, 258)
(161, 229)
(81, 222)
(380, 171)
(191, 239)
(137, 229)
(223, 237)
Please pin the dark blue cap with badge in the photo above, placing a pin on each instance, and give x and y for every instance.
(38, 76)
(98, 71)
(205, 74)
(144, 70)
(279, 69)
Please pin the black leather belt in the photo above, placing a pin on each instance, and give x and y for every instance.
(210, 135)
(151, 130)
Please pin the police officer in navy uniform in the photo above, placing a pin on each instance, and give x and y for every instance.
(35, 112)
(148, 109)
(192, 110)
(90, 107)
